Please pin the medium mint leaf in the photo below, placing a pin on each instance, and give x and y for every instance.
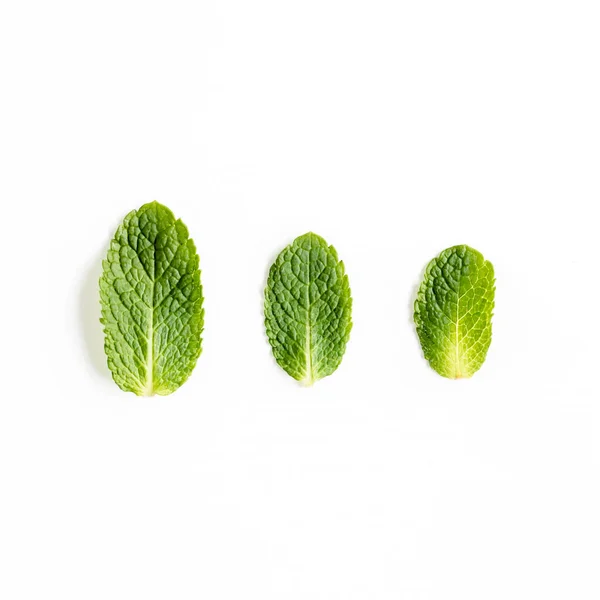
(308, 309)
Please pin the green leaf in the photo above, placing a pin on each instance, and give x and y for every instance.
(453, 311)
(308, 309)
(151, 300)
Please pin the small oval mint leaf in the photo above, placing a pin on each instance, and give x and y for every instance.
(151, 300)
(453, 311)
(308, 309)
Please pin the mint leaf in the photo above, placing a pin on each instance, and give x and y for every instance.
(453, 311)
(151, 300)
(308, 309)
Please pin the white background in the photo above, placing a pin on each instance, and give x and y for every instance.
(393, 129)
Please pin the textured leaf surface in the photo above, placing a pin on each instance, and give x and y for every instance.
(453, 311)
(308, 309)
(151, 300)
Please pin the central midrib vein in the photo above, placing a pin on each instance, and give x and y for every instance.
(308, 379)
(458, 373)
(149, 389)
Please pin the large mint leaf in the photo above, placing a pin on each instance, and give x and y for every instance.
(453, 311)
(308, 309)
(151, 300)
